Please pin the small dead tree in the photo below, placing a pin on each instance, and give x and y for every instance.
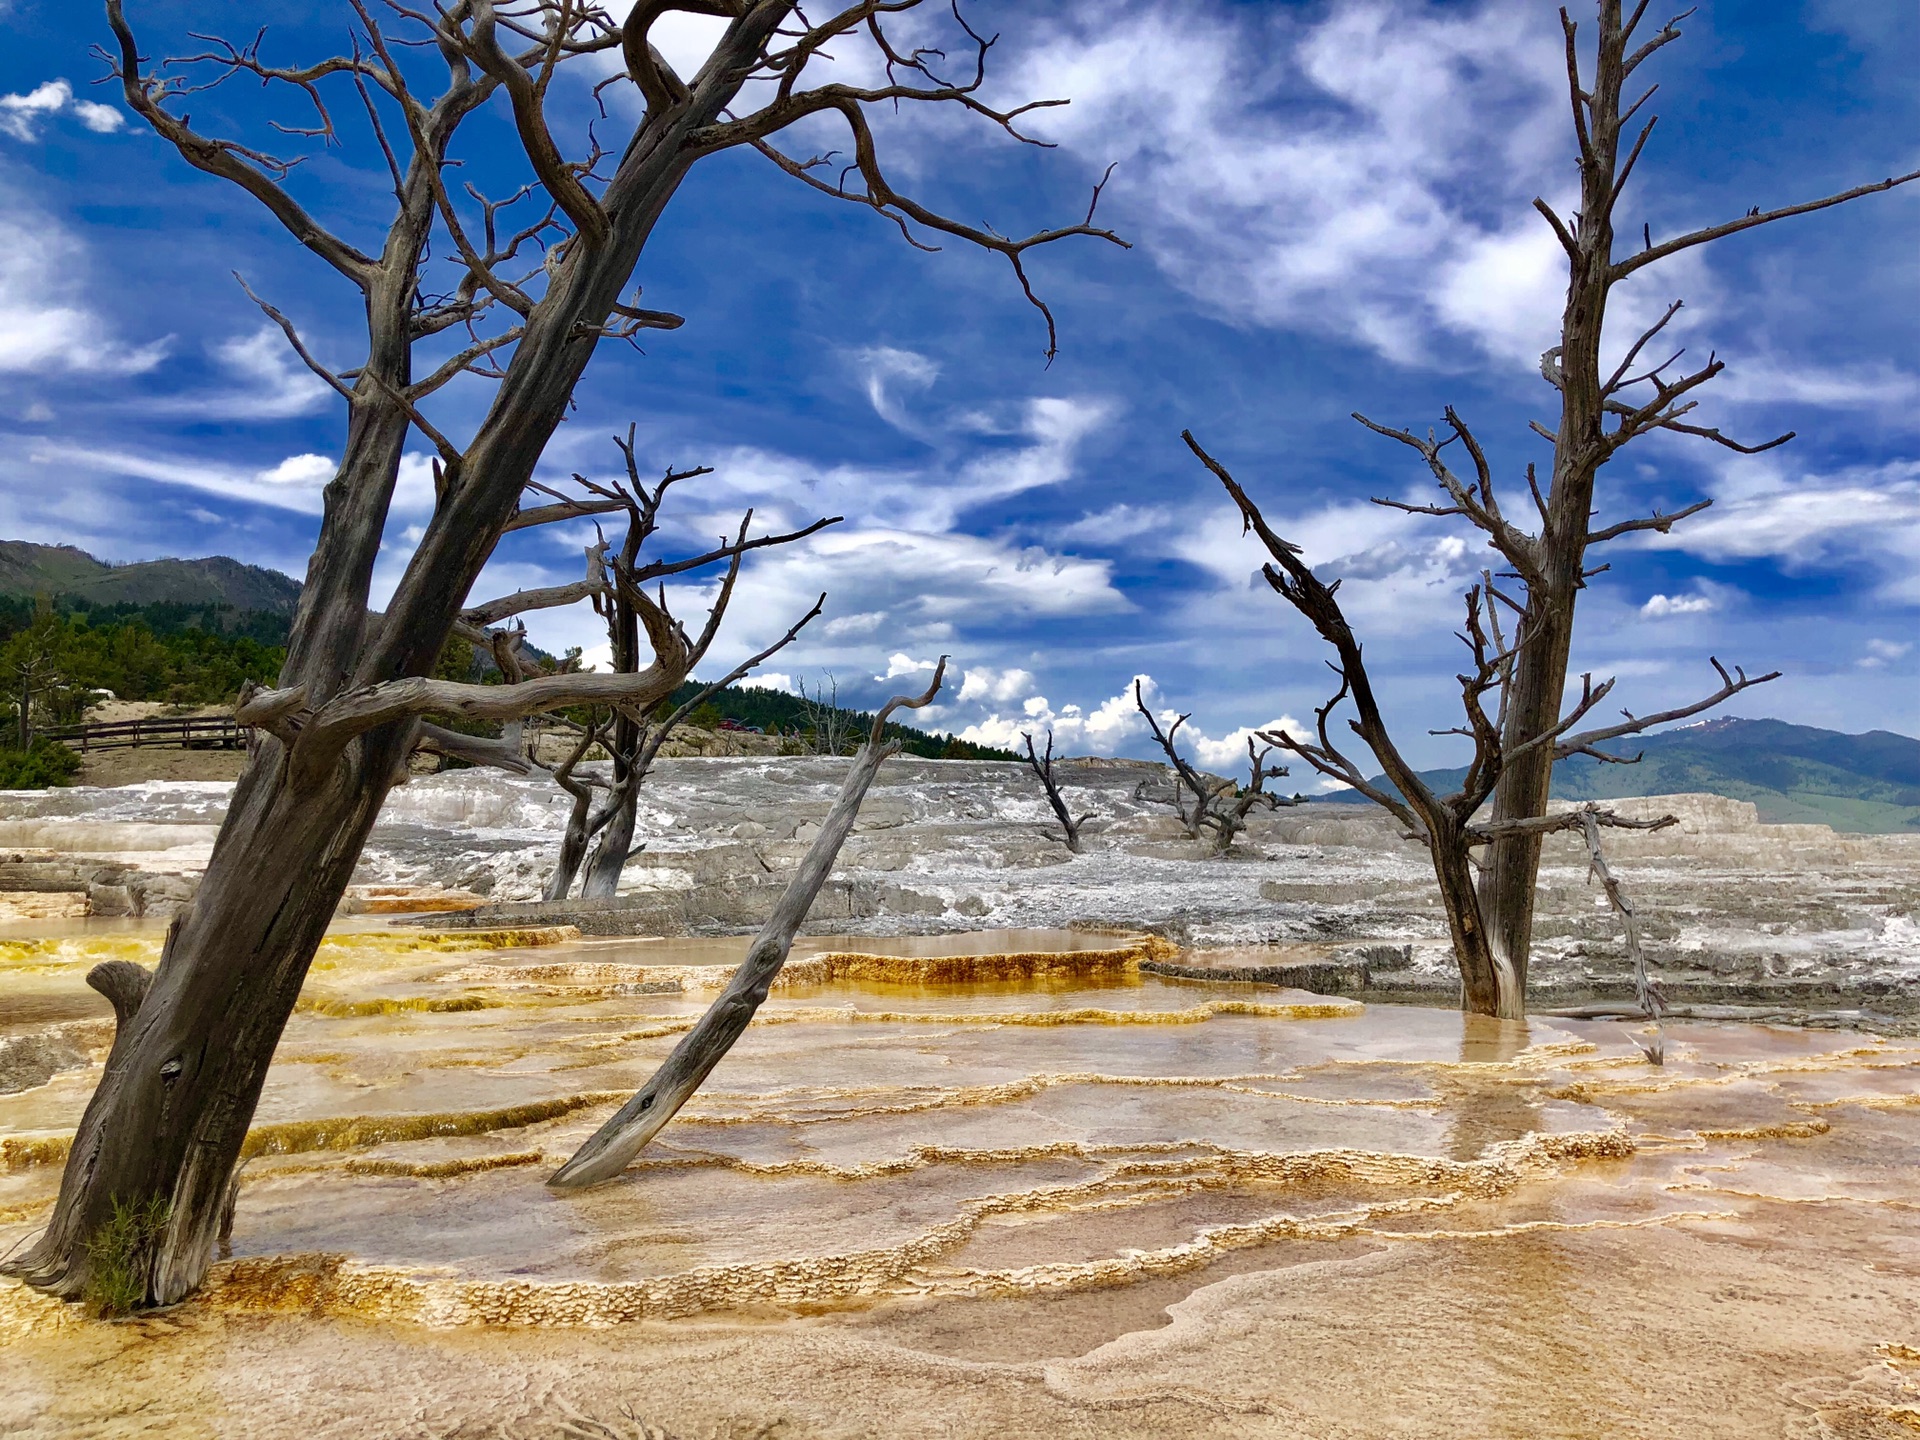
(1604, 406)
(615, 584)
(612, 1147)
(1042, 767)
(828, 729)
(540, 276)
(1210, 803)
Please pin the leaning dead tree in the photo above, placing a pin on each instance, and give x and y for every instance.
(1646, 991)
(612, 1147)
(514, 290)
(1603, 407)
(1042, 767)
(1210, 804)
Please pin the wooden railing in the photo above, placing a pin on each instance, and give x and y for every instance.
(196, 732)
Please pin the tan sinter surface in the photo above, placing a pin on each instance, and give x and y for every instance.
(1049, 1197)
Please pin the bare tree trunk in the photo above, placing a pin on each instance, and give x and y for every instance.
(166, 1123)
(609, 1150)
(188, 1063)
(610, 856)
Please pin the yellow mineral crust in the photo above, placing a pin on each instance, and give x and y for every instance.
(58, 953)
(838, 966)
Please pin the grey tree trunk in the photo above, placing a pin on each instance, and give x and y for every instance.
(612, 1147)
(168, 1118)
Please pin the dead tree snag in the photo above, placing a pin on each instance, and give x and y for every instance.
(613, 1146)
(1042, 767)
(1602, 409)
(540, 277)
(1208, 803)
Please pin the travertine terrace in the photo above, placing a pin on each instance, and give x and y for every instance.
(983, 1166)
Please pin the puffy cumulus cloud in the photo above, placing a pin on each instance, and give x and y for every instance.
(900, 663)
(45, 323)
(1100, 731)
(20, 115)
(1661, 607)
(764, 680)
(982, 682)
(1115, 723)
(1336, 170)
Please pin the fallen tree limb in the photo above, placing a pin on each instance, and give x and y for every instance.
(615, 1143)
(1645, 991)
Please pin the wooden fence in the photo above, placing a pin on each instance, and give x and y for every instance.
(196, 732)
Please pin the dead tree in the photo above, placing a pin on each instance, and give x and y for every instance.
(1448, 825)
(539, 277)
(612, 1147)
(1602, 409)
(828, 727)
(615, 584)
(1042, 767)
(1216, 805)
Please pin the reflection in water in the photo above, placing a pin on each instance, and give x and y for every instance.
(1489, 1103)
(917, 1155)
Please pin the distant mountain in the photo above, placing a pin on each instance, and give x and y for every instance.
(1868, 784)
(28, 569)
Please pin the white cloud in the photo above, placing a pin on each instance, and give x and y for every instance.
(101, 119)
(292, 484)
(20, 115)
(1881, 653)
(766, 680)
(306, 471)
(274, 385)
(883, 371)
(985, 683)
(44, 323)
(1107, 728)
(1865, 516)
(899, 664)
(1879, 387)
(1661, 607)
(1116, 523)
(1358, 174)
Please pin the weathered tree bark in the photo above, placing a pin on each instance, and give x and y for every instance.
(171, 1112)
(612, 1147)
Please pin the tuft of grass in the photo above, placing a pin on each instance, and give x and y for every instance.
(120, 1254)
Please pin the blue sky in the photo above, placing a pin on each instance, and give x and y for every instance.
(1329, 205)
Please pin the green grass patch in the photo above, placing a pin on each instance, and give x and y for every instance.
(120, 1254)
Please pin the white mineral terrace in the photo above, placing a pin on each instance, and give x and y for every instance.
(990, 1178)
